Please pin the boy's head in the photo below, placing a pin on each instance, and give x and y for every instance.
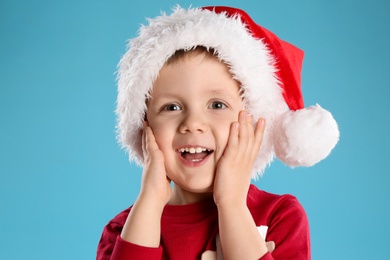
(267, 68)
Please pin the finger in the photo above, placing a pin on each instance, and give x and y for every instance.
(149, 141)
(258, 139)
(153, 151)
(143, 142)
(270, 246)
(251, 135)
(232, 144)
(250, 119)
(243, 133)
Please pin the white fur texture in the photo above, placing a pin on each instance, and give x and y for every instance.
(305, 137)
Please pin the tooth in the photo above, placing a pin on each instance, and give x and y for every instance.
(193, 150)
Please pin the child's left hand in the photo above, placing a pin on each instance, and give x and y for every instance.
(234, 168)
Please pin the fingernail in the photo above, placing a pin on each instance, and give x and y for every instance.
(243, 115)
(250, 117)
(262, 121)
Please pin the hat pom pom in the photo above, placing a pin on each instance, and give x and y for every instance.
(305, 136)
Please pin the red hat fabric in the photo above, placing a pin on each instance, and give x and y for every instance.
(289, 58)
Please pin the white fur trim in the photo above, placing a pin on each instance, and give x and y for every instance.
(248, 58)
(305, 137)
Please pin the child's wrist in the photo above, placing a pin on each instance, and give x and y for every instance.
(231, 203)
(151, 201)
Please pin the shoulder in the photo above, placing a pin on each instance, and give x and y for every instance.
(114, 226)
(110, 234)
(258, 198)
(119, 220)
(273, 206)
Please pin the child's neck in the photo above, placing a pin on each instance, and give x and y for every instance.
(183, 197)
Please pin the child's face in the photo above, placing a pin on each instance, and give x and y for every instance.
(193, 104)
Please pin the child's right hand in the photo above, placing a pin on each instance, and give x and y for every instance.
(155, 183)
(143, 224)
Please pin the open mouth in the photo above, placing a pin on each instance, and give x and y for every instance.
(194, 154)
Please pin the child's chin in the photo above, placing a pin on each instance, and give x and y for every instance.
(195, 192)
(200, 188)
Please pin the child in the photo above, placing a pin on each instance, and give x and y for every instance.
(203, 104)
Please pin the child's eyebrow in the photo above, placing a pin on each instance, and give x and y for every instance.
(211, 92)
(165, 96)
(223, 93)
(217, 92)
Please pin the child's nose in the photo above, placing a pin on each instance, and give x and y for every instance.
(193, 122)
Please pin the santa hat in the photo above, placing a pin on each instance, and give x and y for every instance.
(268, 68)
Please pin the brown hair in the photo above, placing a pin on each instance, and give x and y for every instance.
(182, 53)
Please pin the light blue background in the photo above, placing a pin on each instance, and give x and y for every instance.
(63, 176)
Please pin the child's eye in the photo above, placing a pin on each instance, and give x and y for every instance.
(171, 107)
(217, 105)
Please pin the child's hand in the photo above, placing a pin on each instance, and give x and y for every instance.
(155, 183)
(234, 169)
(143, 224)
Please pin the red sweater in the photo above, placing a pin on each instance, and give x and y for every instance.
(189, 230)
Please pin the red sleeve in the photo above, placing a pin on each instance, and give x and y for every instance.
(108, 240)
(124, 250)
(112, 247)
(289, 229)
